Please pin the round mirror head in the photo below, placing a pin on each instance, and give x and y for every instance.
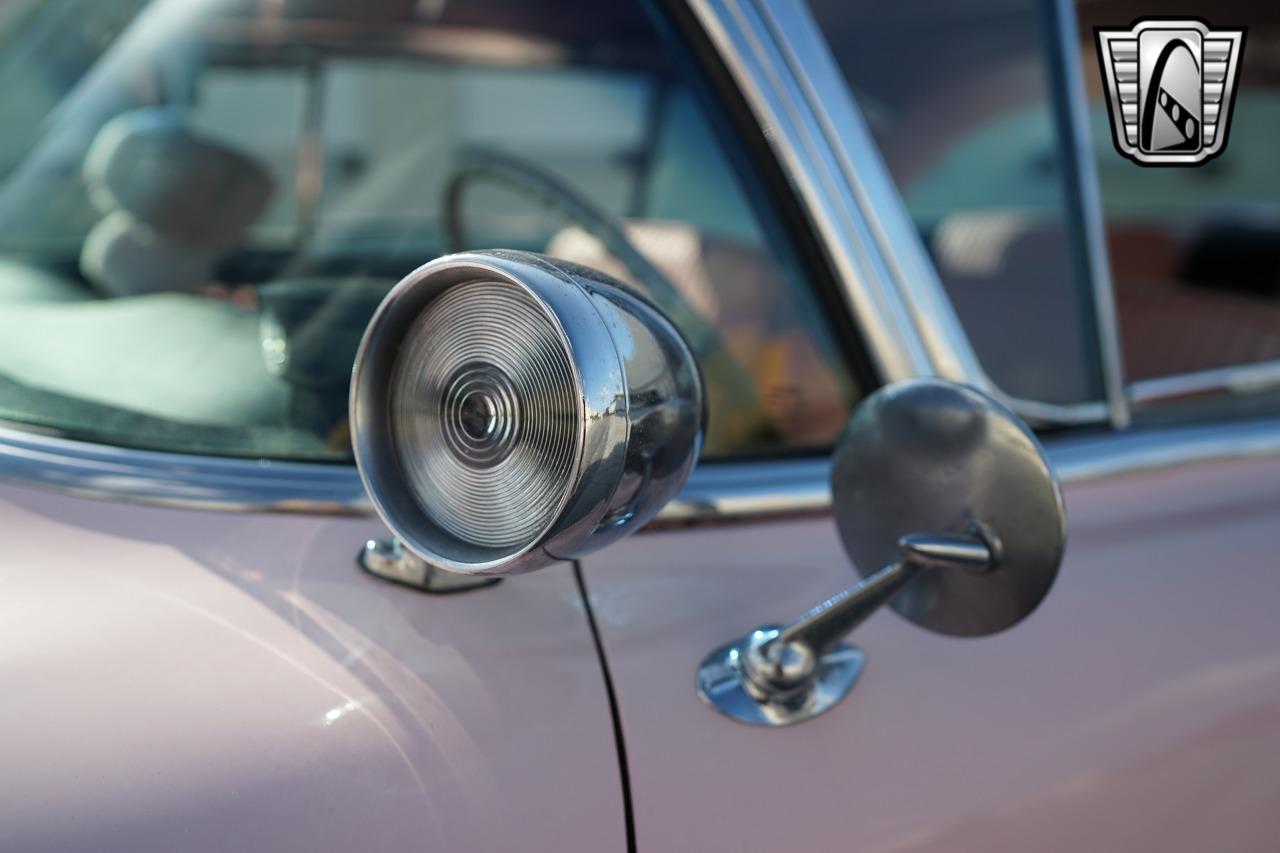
(927, 456)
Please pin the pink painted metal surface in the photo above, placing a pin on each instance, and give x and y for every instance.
(1137, 710)
(192, 681)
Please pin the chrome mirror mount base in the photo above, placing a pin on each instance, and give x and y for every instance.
(724, 685)
(390, 560)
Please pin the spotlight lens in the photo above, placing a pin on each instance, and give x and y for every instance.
(478, 415)
(485, 413)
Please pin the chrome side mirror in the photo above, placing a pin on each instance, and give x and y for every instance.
(509, 410)
(946, 504)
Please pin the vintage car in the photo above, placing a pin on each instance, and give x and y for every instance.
(325, 323)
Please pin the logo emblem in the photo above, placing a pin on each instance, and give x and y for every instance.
(1170, 85)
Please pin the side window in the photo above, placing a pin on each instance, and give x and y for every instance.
(263, 111)
(209, 199)
(1195, 252)
(973, 130)
(959, 98)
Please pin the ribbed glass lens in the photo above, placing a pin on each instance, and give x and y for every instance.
(486, 414)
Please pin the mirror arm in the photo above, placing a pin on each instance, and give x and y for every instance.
(780, 675)
(828, 623)
(823, 627)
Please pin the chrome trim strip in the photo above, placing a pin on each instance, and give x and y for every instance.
(747, 490)
(1067, 72)
(801, 486)
(714, 492)
(1040, 414)
(1081, 458)
(1238, 379)
(174, 479)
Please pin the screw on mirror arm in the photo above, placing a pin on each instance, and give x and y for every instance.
(785, 661)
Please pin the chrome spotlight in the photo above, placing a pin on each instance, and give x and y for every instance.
(509, 410)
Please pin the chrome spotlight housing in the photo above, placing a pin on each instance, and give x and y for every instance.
(509, 410)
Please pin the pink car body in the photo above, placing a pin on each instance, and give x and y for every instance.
(214, 681)
(191, 659)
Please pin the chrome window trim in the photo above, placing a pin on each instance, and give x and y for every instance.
(1233, 380)
(749, 489)
(715, 492)
(1109, 454)
(179, 479)
(1068, 76)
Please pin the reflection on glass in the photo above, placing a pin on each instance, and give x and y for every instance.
(958, 97)
(203, 201)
